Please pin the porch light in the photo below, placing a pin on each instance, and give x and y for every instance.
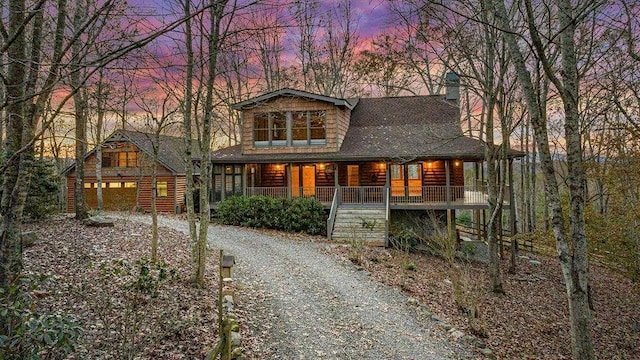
(279, 166)
(382, 166)
(321, 166)
(456, 163)
(429, 164)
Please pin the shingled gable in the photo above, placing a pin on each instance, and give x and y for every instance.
(171, 154)
(390, 128)
(348, 103)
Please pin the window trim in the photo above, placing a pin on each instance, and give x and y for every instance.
(164, 187)
(289, 129)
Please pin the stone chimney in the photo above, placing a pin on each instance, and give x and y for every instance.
(452, 84)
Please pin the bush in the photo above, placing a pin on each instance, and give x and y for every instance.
(297, 215)
(29, 334)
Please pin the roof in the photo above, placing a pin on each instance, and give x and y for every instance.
(171, 153)
(348, 103)
(392, 128)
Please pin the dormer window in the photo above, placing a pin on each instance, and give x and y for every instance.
(290, 128)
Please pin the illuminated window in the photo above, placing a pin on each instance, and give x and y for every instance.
(396, 172)
(115, 185)
(162, 189)
(130, 185)
(121, 159)
(87, 185)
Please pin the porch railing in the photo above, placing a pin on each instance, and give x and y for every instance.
(362, 194)
(354, 195)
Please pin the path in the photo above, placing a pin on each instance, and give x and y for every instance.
(316, 307)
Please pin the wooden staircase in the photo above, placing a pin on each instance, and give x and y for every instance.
(360, 223)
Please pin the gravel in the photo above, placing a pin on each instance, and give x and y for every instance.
(313, 306)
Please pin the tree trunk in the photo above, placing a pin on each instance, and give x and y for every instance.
(13, 195)
(80, 107)
(573, 258)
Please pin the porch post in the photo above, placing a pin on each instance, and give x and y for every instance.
(336, 179)
(289, 183)
(447, 168)
(245, 178)
(223, 190)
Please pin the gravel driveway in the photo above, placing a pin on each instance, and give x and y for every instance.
(313, 306)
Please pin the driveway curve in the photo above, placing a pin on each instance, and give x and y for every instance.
(313, 306)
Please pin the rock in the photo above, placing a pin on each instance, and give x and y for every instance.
(456, 334)
(445, 325)
(436, 318)
(412, 301)
(29, 238)
(99, 221)
(534, 262)
(487, 352)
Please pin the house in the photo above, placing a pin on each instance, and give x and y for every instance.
(127, 160)
(372, 162)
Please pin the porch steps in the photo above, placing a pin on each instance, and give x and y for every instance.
(366, 224)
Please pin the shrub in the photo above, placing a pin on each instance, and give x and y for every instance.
(29, 334)
(297, 215)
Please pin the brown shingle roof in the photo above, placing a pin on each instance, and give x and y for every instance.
(392, 128)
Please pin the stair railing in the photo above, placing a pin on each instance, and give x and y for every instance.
(332, 213)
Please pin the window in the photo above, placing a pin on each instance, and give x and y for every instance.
(396, 172)
(279, 129)
(120, 159)
(261, 129)
(115, 185)
(414, 171)
(292, 128)
(87, 185)
(317, 128)
(162, 189)
(130, 185)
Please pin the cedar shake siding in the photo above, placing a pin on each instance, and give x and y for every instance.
(336, 123)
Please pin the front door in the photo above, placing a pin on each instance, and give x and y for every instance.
(303, 180)
(406, 180)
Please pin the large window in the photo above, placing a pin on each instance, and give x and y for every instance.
(291, 128)
(120, 159)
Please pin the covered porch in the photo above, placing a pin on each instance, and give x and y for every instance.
(429, 184)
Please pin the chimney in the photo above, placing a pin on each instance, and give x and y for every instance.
(452, 84)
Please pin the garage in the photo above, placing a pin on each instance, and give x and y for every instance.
(116, 195)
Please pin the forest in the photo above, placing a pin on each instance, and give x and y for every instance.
(557, 79)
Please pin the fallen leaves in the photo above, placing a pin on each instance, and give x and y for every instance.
(179, 322)
(531, 321)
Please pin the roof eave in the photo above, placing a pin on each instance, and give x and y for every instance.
(291, 92)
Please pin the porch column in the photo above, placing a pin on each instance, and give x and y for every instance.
(447, 169)
(289, 184)
(245, 178)
(451, 225)
(223, 190)
(336, 178)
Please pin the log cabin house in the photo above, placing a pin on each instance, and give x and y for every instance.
(127, 160)
(370, 161)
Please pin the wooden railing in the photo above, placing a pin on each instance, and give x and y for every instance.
(364, 195)
(438, 194)
(332, 213)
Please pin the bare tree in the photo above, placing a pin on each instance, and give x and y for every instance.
(572, 244)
